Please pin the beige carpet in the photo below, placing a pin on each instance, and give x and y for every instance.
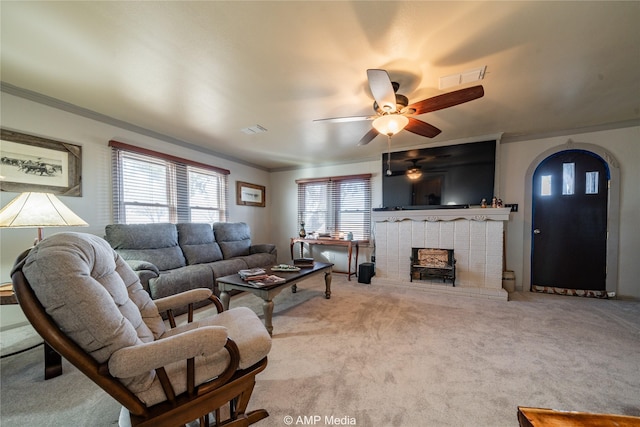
(387, 356)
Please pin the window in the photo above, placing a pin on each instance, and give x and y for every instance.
(568, 178)
(592, 182)
(336, 205)
(153, 187)
(545, 185)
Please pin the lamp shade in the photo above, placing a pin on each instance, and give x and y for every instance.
(390, 124)
(38, 210)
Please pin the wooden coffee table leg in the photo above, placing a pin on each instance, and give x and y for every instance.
(327, 282)
(267, 308)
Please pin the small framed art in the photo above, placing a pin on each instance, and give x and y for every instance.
(250, 194)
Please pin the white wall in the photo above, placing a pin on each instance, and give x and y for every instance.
(277, 222)
(94, 206)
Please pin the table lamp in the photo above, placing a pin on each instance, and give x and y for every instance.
(30, 210)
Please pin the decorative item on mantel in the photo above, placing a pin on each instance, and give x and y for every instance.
(303, 232)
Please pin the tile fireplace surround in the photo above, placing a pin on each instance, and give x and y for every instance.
(475, 235)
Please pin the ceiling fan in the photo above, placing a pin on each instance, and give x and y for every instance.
(394, 113)
(413, 170)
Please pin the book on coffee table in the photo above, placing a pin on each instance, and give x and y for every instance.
(271, 279)
(285, 268)
(303, 262)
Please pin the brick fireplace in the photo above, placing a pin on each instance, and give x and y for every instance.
(475, 235)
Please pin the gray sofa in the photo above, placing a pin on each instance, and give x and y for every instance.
(172, 258)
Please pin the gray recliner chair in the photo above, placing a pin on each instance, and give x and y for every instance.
(90, 307)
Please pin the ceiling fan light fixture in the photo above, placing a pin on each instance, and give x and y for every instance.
(414, 173)
(390, 124)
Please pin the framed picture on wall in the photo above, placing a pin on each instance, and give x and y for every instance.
(31, 163)
(250, 194)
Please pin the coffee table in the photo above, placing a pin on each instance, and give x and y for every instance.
(267, 293)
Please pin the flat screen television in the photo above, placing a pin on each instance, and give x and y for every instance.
(458, 176)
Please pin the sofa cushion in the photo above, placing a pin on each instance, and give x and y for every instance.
(197, 243)
(235, 249)
(181, 279)
(259, 260)
(227, 267)
(154, 243)
(234, 238)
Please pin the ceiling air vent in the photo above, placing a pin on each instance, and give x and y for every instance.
(462, 78)
(254, 129)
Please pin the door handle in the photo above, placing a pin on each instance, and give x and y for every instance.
(536, 231)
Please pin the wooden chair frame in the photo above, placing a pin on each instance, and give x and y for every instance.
(233, 386)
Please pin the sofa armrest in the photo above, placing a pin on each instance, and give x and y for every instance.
(138, 265)
(266, 248)
(145, 271)
(136, 360)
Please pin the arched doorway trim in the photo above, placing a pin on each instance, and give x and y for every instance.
(613, 220)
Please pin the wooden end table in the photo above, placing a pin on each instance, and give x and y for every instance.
(52, 360)
(267, 293)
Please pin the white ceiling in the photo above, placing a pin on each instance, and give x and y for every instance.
(199, 72)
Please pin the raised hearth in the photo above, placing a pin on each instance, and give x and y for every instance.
(475, 235)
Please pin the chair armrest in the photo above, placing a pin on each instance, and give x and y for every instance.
(182, 299)
(135, 360)
(266, 248)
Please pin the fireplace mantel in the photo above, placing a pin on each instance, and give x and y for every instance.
(431, 215)
(475, 235)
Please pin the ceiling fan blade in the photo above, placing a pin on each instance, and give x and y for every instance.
(346, 119)
(382, 90)
(421, 128)
(447, 100)
(368, 137)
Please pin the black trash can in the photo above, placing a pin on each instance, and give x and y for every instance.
(365, 272)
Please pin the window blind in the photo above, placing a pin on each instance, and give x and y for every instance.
(151, 187)
(336, 205)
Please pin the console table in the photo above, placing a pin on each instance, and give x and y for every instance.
(349, 244)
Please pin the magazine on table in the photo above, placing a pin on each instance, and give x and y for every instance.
(252, 273)
(271, 279)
